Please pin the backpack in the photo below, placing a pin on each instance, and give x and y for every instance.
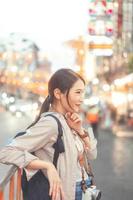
(37, 188)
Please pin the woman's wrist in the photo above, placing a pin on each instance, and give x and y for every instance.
(83, 134)
(49, 165)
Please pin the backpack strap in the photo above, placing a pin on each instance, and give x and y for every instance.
(58, 145)
(19, 134)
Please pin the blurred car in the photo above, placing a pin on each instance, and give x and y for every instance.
(6, 99)
(23, 107)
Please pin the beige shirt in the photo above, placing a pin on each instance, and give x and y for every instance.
(39, 139)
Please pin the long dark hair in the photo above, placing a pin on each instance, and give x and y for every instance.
(63, 79)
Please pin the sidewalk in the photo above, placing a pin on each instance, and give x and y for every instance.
(122, 131)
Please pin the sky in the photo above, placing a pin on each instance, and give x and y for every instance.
(47, 22)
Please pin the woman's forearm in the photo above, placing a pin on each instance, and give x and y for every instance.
(85, 137)
(38, 164)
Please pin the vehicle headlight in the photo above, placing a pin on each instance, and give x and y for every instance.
(12, 108)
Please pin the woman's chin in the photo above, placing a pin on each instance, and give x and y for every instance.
(77, 109)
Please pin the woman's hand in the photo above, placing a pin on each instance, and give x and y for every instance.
(74, 121)
(56, 190)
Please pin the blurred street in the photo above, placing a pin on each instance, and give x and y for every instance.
(112, 168)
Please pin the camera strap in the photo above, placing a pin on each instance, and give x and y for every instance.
(88, 170)
(81, 162)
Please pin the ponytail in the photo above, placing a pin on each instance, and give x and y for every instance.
(44, 108)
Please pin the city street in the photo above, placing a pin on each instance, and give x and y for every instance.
(112, 168)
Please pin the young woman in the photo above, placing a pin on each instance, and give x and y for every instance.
(65, 96)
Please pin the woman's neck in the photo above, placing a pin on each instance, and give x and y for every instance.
(58, 109)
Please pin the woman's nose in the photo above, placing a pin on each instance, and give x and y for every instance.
(81, 99)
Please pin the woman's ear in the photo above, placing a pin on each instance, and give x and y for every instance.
(57, 93)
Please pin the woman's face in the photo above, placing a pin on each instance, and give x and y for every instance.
(75, 97)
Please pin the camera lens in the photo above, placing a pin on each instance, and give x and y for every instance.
(98, 197)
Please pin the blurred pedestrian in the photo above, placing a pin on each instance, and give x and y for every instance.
(93, 117)
(65, 95)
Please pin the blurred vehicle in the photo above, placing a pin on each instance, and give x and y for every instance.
(93, 117)
(23, 107)
(6, 100)
(92, 107)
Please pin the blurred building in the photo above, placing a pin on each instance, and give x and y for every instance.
(123, 23)
(127, 26)
(109, 39)
(21, 66)
(101, 34)
(115, 66)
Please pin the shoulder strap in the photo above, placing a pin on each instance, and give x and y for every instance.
(60, 131)
(19, 134)
(58, 145)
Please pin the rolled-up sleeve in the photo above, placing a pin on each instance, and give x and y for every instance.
(92, 151)
(19, 151)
